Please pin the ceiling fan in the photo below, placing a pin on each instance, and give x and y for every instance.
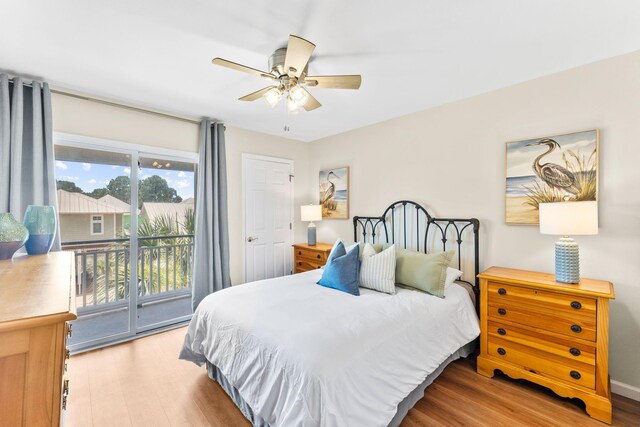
(288, 71)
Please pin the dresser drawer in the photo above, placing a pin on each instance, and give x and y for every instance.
(311, 255)
(583, 327)
(570, 304)
(546, 364)
(572, 350)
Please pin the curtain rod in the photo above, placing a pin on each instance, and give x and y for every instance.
(116, 104)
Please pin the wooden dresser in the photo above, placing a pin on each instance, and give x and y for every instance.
(550, 333)
(307, 257)
(37, 300)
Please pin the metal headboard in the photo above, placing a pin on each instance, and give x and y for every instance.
(410, 226)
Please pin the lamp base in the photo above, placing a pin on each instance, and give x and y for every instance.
(567, 261)
(311, 234)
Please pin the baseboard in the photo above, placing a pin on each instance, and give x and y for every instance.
(625, 390)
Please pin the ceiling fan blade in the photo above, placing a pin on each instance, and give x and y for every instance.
(257, 94)
(334, 82)
(311, 103)
(240, 67)
(298, 53)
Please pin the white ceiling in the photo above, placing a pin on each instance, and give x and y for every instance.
(412, 54)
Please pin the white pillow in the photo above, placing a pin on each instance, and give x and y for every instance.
(452, 276)
(347, 246)
(378, 270)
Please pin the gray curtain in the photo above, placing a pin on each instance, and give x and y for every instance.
(26, 148)
(211, 245)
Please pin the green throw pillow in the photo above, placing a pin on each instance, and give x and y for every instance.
(425, 272)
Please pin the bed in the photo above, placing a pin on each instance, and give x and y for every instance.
(292, 353)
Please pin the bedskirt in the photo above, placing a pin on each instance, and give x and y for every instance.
(403, 407)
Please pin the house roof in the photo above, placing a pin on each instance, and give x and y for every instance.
(152, 210)
(78, 203)
(115, 202)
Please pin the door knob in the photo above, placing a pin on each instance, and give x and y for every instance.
(251, 238)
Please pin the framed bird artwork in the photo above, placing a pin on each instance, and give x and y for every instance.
(549, 169)
(334, 193)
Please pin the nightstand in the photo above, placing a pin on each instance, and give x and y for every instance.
(307, 257)
(550, 333)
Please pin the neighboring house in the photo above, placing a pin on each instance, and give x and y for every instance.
(84, 218)
(113, 201)
(177, 212)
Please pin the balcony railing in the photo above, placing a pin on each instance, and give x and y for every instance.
(103, 271)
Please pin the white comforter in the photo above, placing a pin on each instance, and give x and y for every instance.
(304, 355)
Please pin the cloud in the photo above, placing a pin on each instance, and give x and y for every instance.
(61, 165)
(181, 184)
(92, 181)
(69, 178)
(126, 170)
(86, 167)
(181, 174)
(106, 181)
(167, 173)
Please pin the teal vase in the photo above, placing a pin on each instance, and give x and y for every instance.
(41, 222)
(12, 235)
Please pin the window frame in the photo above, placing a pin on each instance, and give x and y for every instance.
(93, 221)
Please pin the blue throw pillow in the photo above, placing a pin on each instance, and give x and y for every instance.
(342, 271)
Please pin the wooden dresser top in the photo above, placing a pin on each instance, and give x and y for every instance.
(589, 287)
(37, 288)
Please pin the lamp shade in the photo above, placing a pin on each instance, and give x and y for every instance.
(311, 213)
(569, 218)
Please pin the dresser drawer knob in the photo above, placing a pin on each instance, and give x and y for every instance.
(502, 311)
(299, 263)
(501, 351)
(576, 305)
(576, 328)
(502, 331)
(575, 375)
(502, 291)
(319, 266)
(318, 256)
(575, 351)
(299, 252)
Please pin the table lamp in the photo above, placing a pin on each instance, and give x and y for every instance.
(311, 213)
(564, 219)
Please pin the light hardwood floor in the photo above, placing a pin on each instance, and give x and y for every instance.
(142, 383)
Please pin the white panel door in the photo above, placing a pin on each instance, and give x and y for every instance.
(268, 223)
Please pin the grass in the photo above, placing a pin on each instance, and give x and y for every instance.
(583, 168)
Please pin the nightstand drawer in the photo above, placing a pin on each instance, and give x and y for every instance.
(311, 255)
(304, 265)
(572, 350)
(519, 295)
(583, 327)
(533, 360)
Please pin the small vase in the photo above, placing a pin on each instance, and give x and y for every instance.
(12, 235)
(42, 226)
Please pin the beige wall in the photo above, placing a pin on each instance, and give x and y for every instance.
(76, 116)
(451, 159)
(87, 118)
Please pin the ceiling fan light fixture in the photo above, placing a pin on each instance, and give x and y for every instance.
(292, 106)
(272, 97)
(299, 95)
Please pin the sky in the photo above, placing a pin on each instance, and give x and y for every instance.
(90, 176)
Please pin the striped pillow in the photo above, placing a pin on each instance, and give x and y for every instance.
(378, 270)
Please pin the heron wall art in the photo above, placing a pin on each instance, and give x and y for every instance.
(549, 169)
(334, 193)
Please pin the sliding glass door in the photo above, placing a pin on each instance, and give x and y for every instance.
(129, 218)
